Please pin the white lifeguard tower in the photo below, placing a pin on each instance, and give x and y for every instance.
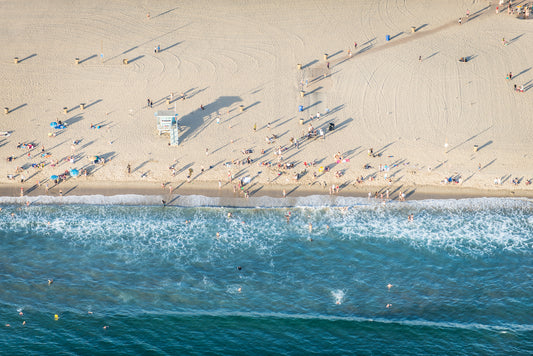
(167, 121)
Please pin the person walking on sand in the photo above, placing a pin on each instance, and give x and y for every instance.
(355, 45)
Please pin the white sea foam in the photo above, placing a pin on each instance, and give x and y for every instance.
(268, 202)
(504, 327)
(338, 296)
(469, 226)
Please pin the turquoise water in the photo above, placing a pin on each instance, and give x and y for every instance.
(147, 279)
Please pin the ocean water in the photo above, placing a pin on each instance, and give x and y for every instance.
(133, 279)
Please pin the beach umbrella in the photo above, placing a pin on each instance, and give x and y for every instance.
(74, 172)
(54, 177)
(53, 124)
(94, 158)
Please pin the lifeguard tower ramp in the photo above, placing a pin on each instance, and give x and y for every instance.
(167, 121)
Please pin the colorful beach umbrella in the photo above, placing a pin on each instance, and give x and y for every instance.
(53, 177)
(74, 172)
(53, 124)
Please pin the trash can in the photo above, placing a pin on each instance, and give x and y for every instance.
(299, 66)
(325, 56)
(302, 93)
(168, 101)
(16, 60)
(77, 60)
(82, 106)
(387, 38)
(476, 148)
(124, 61)
(301, 121)
(6, 111)
(241, 108)
(413, 29)
(300, 108)
(65, 110)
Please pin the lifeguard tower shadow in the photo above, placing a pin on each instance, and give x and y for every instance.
(193, 123)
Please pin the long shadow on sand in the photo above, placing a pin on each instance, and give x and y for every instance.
(192, 124)
(28, 57)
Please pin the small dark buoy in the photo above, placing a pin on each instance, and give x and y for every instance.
(239, 268)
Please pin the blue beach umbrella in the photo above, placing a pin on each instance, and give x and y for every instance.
(74, 172)
(54, 177)
(53, 124)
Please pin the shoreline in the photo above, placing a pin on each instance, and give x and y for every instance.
(183, 194)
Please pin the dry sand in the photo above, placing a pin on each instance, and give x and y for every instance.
(223, 54)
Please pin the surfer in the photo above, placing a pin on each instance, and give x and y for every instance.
(288, 217)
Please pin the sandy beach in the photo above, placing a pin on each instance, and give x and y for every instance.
(256, 87)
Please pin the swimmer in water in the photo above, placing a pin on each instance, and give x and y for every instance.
(288, 217)
(230, 215)
(239, 268)
(50, 281)
(310, 227)
(218, 235)
(389, 286)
